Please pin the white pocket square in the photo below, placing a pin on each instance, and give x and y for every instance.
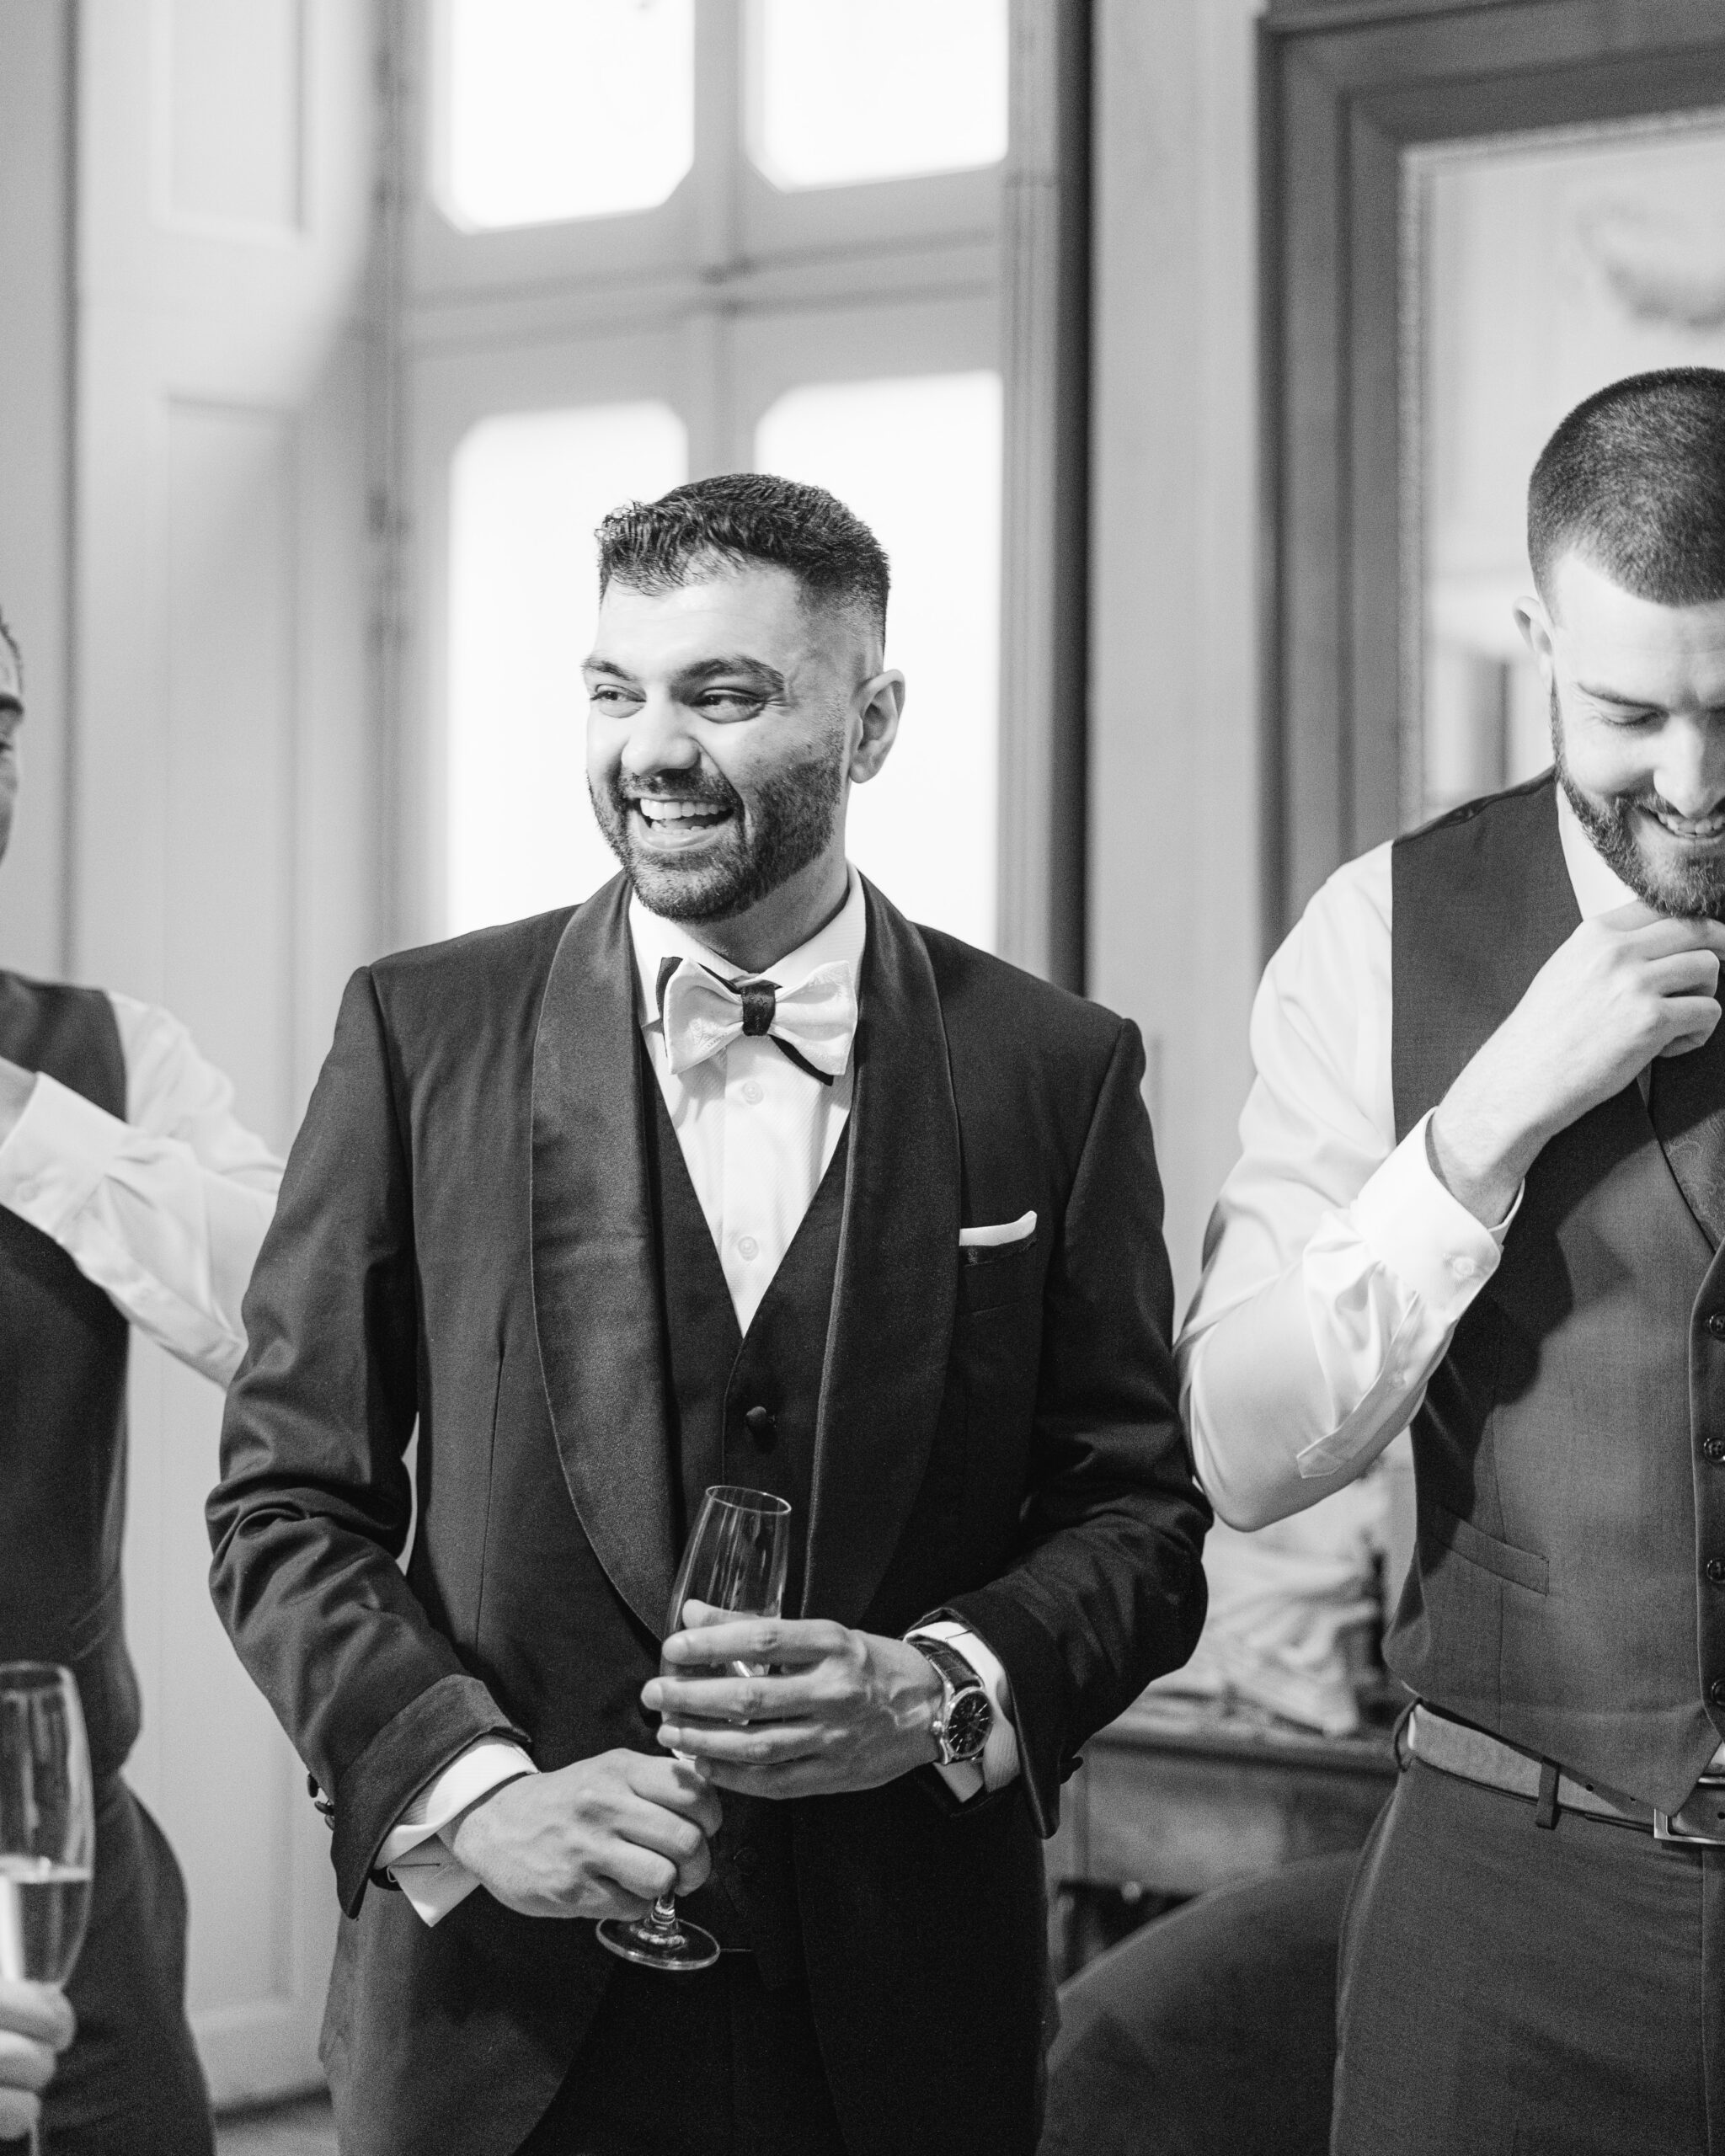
(1009, 1231)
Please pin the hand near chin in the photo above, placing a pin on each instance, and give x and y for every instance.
(603, 1837)
(1627, 987)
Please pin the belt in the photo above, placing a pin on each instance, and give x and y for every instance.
(1474, 1755)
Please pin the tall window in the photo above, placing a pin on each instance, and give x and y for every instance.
(651, 239)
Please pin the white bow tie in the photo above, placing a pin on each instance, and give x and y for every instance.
(813, 1024)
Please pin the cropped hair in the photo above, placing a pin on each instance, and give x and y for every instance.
(748, 516)
(1634, 482)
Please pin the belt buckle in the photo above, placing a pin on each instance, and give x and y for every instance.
(1667, 1826)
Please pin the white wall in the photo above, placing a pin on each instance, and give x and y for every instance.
(185, 191)
(225, 817)
(1175, 820)
(35, 463)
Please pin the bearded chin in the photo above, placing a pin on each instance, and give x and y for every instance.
(795, 813)
(1687, 893)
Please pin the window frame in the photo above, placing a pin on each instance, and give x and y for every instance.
(728, 275)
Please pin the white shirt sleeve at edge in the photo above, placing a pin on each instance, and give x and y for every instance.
(433, 1879)
(163, 1211)
(1336, 1265)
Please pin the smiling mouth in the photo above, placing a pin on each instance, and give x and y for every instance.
(677, 818)
(1689, 830)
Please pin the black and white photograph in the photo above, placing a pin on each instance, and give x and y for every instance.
(862, 1094)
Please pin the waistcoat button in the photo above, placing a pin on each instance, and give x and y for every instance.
(1714, 1448)
(761, 1427)
(1716, 1571)
(1716, 1692)
(1716, 1324)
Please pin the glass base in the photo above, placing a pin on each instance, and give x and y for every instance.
(660, 1940)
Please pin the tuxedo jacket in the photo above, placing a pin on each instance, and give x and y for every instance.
(463, 1246)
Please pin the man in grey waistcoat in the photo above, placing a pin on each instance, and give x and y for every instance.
(1482, 1191)
(131, 1196)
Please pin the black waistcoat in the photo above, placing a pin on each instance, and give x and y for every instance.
(1570, 1455)
(744, 1410)
(62, 1402)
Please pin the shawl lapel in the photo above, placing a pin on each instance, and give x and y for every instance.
(595, 1296)
(896, 1285)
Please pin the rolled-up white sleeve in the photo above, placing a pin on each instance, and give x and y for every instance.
(165, 1209)
(1336, 1266)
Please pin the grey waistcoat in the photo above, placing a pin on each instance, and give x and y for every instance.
(62, 1402)
(1570, 1455)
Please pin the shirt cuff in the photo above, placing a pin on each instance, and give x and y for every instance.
(430, 1875)
(1423, 1235)
(55, 1155)
(999, 1764)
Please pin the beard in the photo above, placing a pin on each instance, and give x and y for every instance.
(795, 813)
(1689, 892)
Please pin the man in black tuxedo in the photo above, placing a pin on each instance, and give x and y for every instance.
(729, 1175)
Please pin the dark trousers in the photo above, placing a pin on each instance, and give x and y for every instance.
(131, 2085)
(1211, 2031)
(1507, 1987)
(713, 2064)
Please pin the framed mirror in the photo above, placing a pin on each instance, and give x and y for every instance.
(1535, 269)
(1473, 216)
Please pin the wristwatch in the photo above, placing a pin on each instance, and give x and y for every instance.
(966, 1713)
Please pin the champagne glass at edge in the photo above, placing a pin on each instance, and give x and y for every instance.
(47, 1826)
(735, 1559)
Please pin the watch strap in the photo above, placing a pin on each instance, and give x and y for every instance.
(959, 1684)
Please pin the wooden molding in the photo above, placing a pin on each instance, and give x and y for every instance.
(1343, 92)
(1044, 263)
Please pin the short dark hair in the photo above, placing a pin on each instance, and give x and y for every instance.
(1634, 481)
(748, 516)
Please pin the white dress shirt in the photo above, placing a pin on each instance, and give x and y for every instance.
(163, 1211)
(1336, 1265)
(757, 1134)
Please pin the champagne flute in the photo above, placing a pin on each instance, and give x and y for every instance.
(47, 1826)
(735, 1559)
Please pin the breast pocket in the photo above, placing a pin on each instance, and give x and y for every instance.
(989, 1280)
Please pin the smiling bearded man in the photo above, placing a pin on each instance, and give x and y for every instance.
(1483, 1192)
(729, 1176)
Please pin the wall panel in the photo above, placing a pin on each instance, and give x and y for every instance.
(225, 860)
(36, 461)
(1174, 827)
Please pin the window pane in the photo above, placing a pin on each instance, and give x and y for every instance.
(918, 461)
(848, 90)
(527, 490)
(562, 109)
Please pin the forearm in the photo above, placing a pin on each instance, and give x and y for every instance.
(1269, 1433)
(1298, 1381)
(170, 1241)
(1481, 1139)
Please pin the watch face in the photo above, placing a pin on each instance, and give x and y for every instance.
(967, 1732)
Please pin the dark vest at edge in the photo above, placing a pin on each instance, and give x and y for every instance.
(1570, 1455)
(62, 1402)
(744, 1410)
